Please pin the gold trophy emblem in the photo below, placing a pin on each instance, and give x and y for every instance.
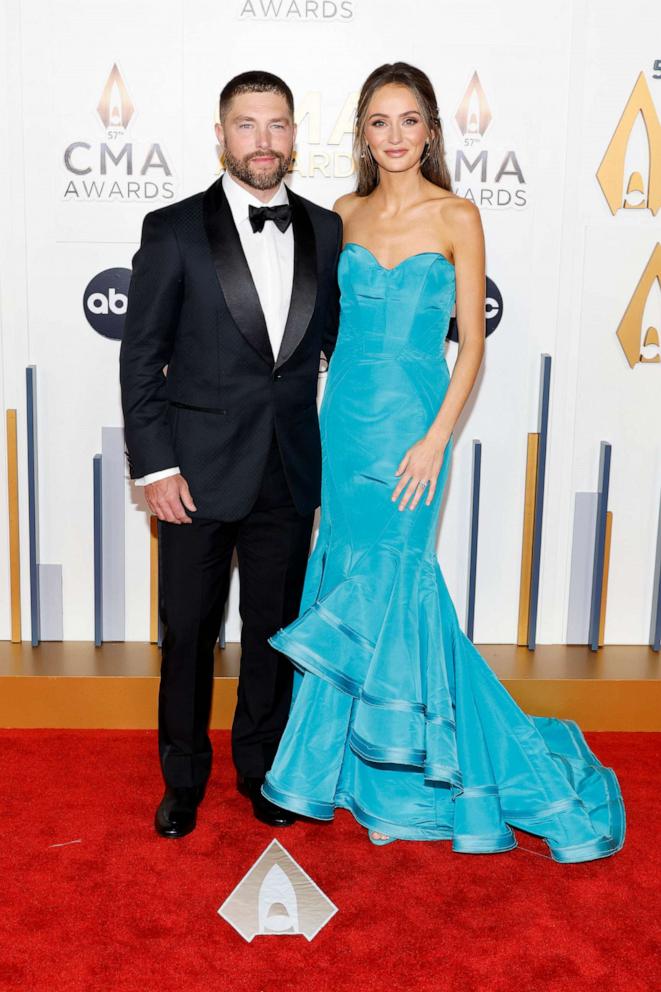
(473, 114)
(633, 188)
(115, 106)
(640, 343)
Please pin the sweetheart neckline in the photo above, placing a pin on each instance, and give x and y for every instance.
(408, 258)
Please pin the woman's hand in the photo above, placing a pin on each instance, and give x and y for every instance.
(419, 471)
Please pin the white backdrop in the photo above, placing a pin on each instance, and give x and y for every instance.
(556, 79)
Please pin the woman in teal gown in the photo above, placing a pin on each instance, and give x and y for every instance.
(395, 715)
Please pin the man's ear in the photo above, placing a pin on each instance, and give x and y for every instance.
(218, 128)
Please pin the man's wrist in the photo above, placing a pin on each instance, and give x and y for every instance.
(164, 473)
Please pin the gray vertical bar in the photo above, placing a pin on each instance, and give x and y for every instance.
(582, 563)
(51, 625)
(113, 533)
(97, 470)
(599, 542)
(33, 501)
(475, 518)
(543, 426)
(655, 628)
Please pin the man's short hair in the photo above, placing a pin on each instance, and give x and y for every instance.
(256, 81)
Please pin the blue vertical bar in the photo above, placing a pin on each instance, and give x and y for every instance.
(475, 518)
(655, 631)
(543, 426)
(599, 543)
(33, 503)
(98, 549)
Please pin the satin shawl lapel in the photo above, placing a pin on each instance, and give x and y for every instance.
(304, 286)
(233, 273)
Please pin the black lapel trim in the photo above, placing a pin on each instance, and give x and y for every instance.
(233, 273)
(304, 286)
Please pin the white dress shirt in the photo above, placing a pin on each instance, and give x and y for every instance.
(270, 257)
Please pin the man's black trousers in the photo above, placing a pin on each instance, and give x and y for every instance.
(272, 544)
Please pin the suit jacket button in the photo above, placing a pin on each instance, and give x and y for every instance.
(277, 375)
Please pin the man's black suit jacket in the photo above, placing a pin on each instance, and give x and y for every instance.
(193, 307)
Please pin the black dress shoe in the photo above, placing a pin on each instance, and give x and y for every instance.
(176, 815)
(263, 808)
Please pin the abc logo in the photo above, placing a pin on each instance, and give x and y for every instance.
(104, 302)
(493, 312)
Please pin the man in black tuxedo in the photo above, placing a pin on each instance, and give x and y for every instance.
(233, 298)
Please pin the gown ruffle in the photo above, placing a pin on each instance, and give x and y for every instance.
(395, 714)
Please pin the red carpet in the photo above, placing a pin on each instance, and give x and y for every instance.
(125, 911)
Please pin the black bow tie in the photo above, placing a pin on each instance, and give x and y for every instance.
(280, 215)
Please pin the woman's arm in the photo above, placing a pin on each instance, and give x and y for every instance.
(422, 462)
(470, 278)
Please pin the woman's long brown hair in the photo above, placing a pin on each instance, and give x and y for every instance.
(433, 167)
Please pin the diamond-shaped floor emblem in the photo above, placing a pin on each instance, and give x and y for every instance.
(277, 897)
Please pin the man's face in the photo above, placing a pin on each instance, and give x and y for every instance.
(257, 138)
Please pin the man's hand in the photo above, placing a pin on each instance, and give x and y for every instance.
(168, 499)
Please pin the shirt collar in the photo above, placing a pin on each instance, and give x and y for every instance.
(239, 198)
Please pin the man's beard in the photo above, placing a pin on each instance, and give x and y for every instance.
(240, 168)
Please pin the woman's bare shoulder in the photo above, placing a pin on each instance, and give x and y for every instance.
(457, 217)
(460, 220)
(456, 209)
(345, 205)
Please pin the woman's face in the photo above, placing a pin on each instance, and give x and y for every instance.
(395, 129)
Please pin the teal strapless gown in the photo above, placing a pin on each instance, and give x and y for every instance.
(397, 717)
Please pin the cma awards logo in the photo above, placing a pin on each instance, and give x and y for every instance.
(105, 300)
(336, 161)
(488, 177)
(116, 169)
(493, 312)
(630, 171)
(276, 897)
(296, 10)
(638, 331)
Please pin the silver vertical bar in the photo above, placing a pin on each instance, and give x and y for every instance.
(582, 563)
(113, 533)
(51, 621)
